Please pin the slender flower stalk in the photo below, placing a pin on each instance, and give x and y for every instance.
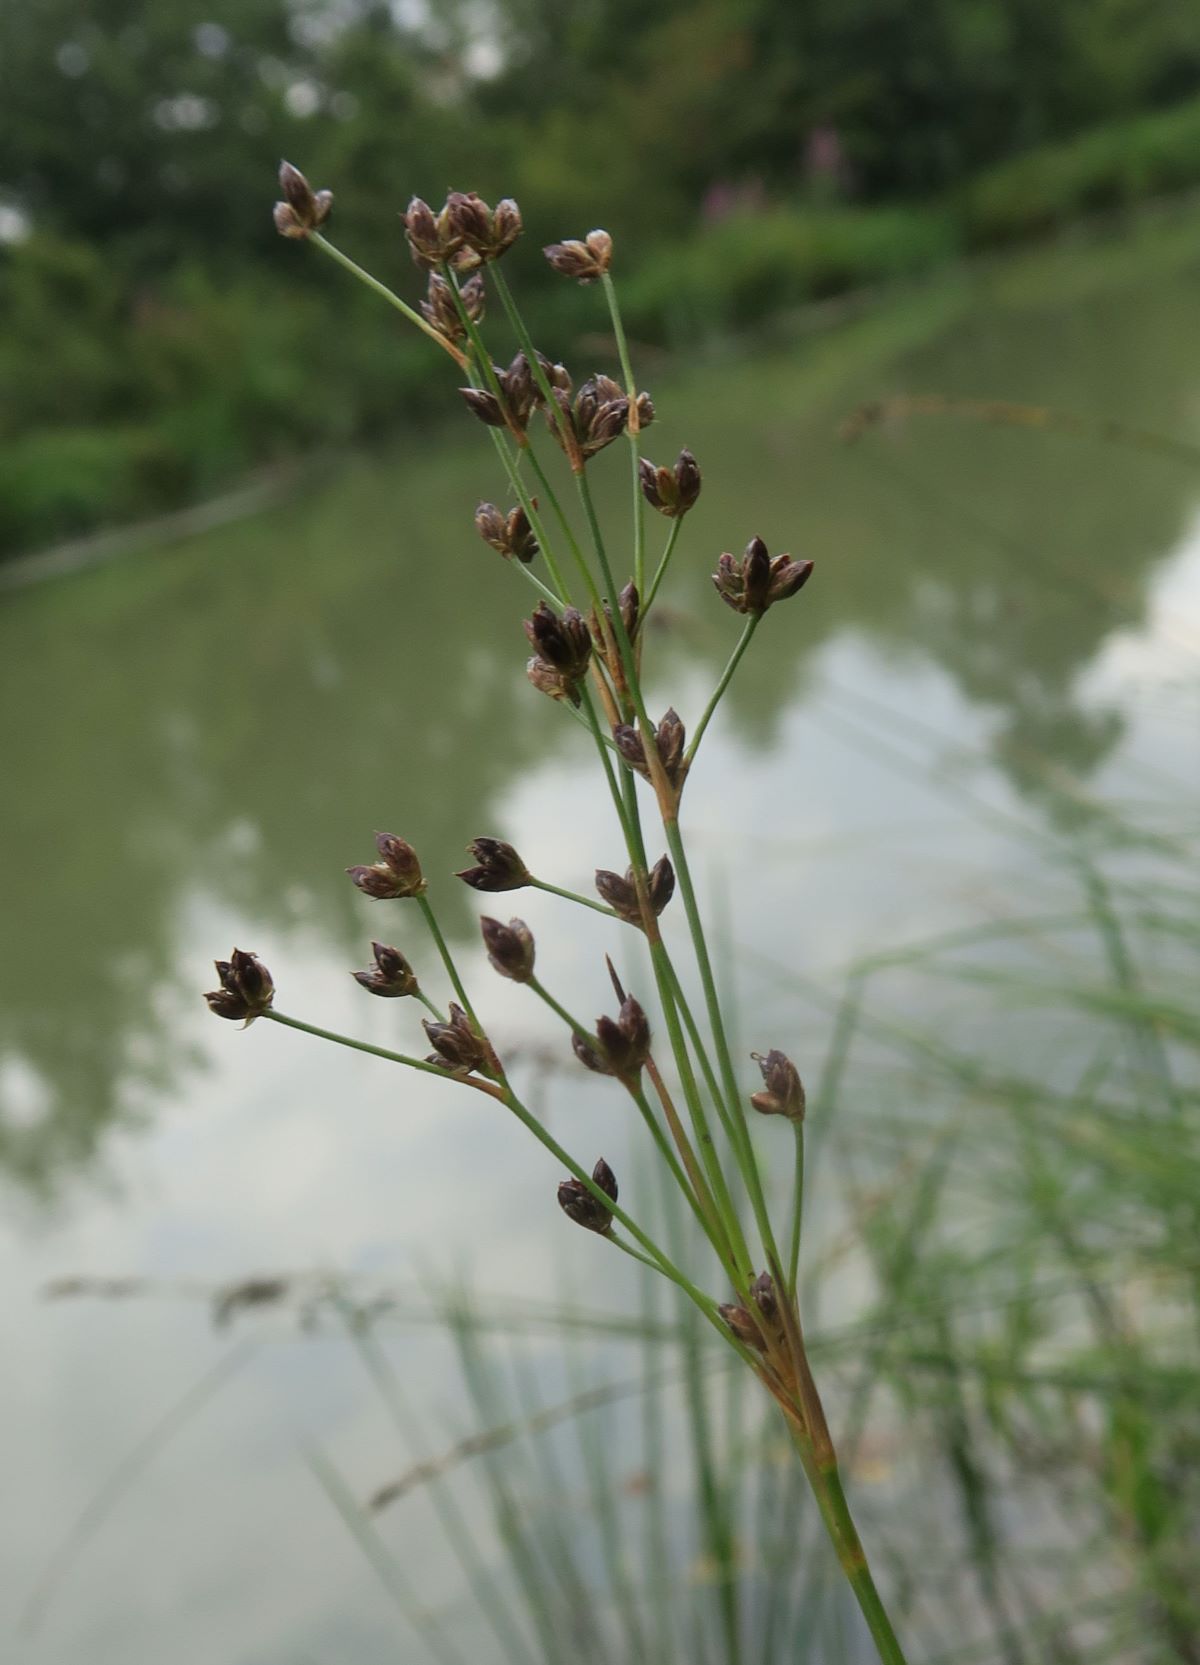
(574, 896)
(422, 1064)
(389, 295)
(639, 507)
(660, 570)
(694, 1107)
(797, 1207)
(743, 642)
(439, 942)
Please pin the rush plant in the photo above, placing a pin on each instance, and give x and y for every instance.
(587, 633)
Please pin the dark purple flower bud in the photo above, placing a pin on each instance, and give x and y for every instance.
(585, 260)
(439, 309)
(397, 873)
(432, 239)
(782, 1092)
(597, 416)
(483, 233)
(589, 1055)
(763, 1291)
(510, 948)
(669, 738)
(629, 603)
(625, 1041)
(456, 1046)
(392, 976)
(509, 534)
(672, 491)
(499, 866)
(787, 576)
(743, 1326)
(755, 582)
(246, 990)
(661, 884)
(562, 640)
(547, 680)
(485, 406)
(620, 1045)
(629, 743)
(579, 1204)
(643, 409)
(302, 209)
(621, 893)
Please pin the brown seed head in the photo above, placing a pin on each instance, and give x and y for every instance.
(432, 239)
(585, 260)
(743, 1326)
(509, 534)
(629, 603)
(456, 1046)
(397, 873)
(439, 310)
(485, 406)
(580, 1205)
(562, 640)
(246, 990)
(302, 209)
(596, 417)
(484, 234)
(547, 680)
(621, 893)
(763, 1291)
(391, 976)
(672, 491)
(754, 582)
(782, 1093)
(661, 884)
(669, 737)
(499, 866)
(620, 1045)
(510, 948)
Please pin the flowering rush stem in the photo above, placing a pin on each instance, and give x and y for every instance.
(593, 668)
(389, 295)
(488, 1087)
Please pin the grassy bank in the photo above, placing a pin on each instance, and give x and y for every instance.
(118, 406)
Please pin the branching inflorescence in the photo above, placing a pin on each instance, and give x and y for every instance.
(587, 635)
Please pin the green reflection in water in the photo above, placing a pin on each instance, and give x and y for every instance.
(230, 719)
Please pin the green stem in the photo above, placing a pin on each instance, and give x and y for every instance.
(639, 1098)
(660, 1260)
(572, 1024)
(744, 641)
(634, 1254)
(385, 293)
(679, 1176)
(660, 570)
(357, 1046)
(797, 1209)
(672, 1006)
(839, 1524)
(743, 1148)
(487, 372)
(429, 1006)
(669, 991)
(525, 341)
(639, 502)
(572, 895)
(447, 959)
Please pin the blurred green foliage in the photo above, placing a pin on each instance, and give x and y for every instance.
(160, 340)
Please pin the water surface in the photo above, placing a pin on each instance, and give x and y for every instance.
(995, 659)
